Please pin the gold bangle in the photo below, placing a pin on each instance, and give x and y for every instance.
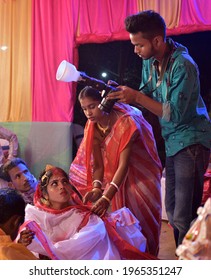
(106, 198)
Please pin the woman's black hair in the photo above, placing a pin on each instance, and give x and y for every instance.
(91, 93)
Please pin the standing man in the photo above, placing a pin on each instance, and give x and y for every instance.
(170, 89)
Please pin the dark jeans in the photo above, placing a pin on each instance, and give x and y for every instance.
(184, 187)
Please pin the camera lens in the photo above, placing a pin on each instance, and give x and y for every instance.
(106, 105)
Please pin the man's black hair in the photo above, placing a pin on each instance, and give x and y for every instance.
(11, 203)
(147, 22)
(10, 164)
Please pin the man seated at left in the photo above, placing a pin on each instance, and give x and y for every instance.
(19, 177)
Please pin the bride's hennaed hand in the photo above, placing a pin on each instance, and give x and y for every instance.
(100, 207)
(26, 237)
(92, 196)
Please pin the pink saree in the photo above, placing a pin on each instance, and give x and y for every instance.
(140, 190)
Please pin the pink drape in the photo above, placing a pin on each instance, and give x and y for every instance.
(102, 21)
(60, 26)
(54, 25)
(195, 16)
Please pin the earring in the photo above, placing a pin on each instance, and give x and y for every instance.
(45, 201)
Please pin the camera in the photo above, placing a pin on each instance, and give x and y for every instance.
(67, 72)
(105, 105)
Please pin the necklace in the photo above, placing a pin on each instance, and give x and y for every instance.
(103, 129)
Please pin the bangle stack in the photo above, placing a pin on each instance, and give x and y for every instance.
(115, 185)
(106, 198)
(97, 184)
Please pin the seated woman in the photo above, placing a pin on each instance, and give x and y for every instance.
(66, 229)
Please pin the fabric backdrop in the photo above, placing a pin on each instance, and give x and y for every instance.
(39, 34)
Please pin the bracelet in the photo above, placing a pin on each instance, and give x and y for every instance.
(97, 181)
(106, 198)
(115, 185)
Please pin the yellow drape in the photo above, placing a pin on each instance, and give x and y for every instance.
(15, 61)
(163, 7)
